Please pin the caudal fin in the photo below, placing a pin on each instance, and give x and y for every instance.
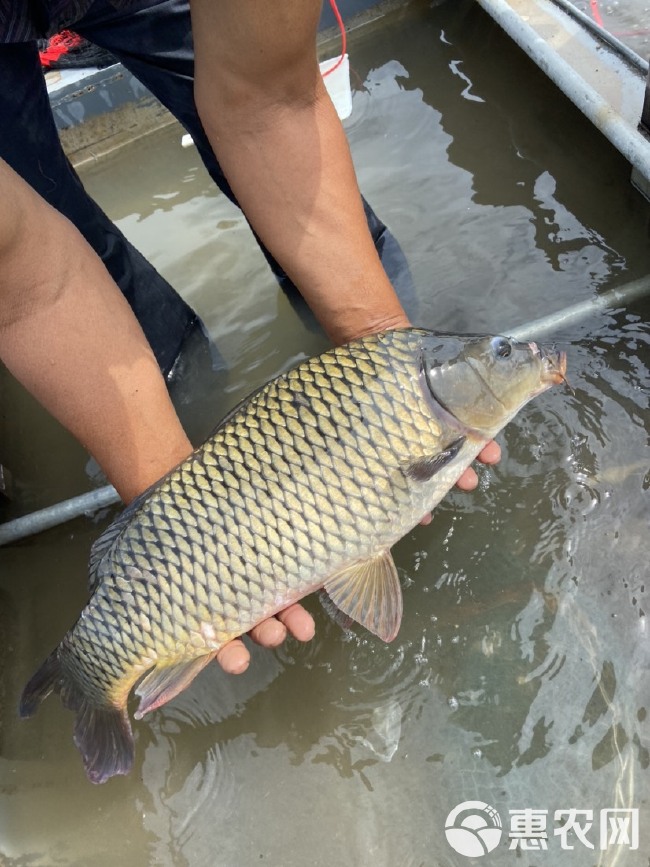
(103, 737)
(102, 734)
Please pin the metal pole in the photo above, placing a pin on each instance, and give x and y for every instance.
(620, 132)
(644, 124)
(52, 516)
(578, 312)
(86, 504)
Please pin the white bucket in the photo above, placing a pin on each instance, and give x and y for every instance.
(337, 84)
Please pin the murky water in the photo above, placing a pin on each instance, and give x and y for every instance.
(520, 676)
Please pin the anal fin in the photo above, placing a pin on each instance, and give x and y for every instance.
(341, 619)
(370, 593)
(165, 682)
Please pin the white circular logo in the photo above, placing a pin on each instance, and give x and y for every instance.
(473, 828)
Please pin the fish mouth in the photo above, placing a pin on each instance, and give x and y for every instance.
(553, 363)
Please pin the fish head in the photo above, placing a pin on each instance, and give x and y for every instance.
(483, 380)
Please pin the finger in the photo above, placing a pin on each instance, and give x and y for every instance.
(491, 454)
(234, 657)
(298, 621)
(426, 520)
(468, 481)
(269, 633)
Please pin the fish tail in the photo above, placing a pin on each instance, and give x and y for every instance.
(102, 733)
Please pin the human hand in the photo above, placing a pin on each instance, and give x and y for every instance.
(234, 657)
(491, 454)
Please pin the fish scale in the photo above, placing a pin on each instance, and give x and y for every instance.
(306, 484)
(221, 464)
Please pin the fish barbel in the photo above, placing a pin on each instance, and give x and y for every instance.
(305, 485)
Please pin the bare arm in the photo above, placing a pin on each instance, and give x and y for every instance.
(275, 132)
(282, 147)
(69, 336)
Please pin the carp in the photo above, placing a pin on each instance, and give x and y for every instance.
(305, 485)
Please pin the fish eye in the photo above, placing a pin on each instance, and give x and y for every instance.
(501, 347)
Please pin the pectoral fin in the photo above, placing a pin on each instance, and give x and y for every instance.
(369, 593)
(164, 683)
(423, 469)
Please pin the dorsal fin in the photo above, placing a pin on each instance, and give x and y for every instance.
(104, 544)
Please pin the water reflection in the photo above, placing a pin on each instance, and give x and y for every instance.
(522, 194)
